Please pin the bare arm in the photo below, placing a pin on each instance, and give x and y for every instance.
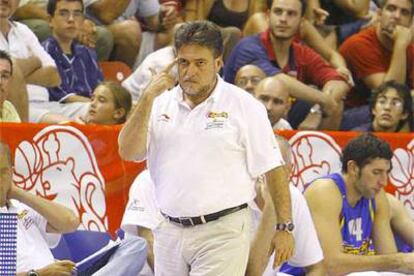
(357, 8)
(65, 267)
(260, 247)
(398, 66)
(197, 9)
(148, 236)
(401, 222)
(133, 136)
(76, 98)
(325, 214)
(30, 11)
(282, 242)
(34, 73)
(108, 10)
(337, 90)
(59, 218)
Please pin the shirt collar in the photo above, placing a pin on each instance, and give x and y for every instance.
(214, 96)
(265, 39)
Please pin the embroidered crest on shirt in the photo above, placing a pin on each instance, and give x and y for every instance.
(216, 119)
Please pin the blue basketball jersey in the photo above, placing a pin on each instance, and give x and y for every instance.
(356, 222)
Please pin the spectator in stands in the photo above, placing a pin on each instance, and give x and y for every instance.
(33, 13)
(110, 105)
(379, 54)
(7, 111)
(141, 77)
(275, 97)
(248, 77)
(39, 218)
(391, 109)
(45, 217)
(308, 252)
(338, 19)
(294, 59)
(356, 196)
(141, 216)
(78, 66)
(32, 65)
(128, 36)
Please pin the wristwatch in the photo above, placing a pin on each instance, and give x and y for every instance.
(32, 272)
(287, 226)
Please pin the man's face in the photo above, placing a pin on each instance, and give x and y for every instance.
(197, 70)
(248, 77)
(275, 99)
(8, 7)
(102, 109)
(285, 18)
(67, 20)
(388, 111)
(395, 13)
(373, 177)
(5, 75)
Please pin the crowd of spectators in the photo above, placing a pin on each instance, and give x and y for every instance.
(329, 60)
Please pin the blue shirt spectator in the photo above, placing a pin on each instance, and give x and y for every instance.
(80, 72)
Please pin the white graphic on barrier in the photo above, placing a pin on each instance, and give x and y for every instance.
(402, 175)
(315, 154)
(59, 164)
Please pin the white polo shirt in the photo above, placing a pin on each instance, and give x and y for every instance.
(21, 42)
(140, 209)
(206, 159)
(32, 240)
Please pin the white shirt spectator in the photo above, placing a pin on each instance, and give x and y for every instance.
(32, 240)
(21, 42)
(140, 78)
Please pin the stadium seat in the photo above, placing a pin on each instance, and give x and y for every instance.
(116, 71)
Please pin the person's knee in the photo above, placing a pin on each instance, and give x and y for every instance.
(104, 43)
(127, 33)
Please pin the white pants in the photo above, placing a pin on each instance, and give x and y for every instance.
(219, 247)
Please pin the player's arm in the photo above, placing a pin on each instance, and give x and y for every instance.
(325, 203)
(401, 222)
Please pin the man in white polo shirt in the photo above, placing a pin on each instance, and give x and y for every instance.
(206, 142)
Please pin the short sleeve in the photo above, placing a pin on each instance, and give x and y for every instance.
(262, 150)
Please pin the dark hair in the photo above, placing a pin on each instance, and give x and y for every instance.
(122, 98)
(363, 149)
(51, 5)
(269, 4)
(384, 2)
(6, 56)
(405, 94)
(202, 33)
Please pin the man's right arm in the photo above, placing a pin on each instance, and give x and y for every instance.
(397, 69)
(325, 214)
(35, 73)
(108, 10)
(133, 136)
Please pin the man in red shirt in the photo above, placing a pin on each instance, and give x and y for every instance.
(381, 53)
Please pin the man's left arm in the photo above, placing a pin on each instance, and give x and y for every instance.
(337, 90)
(60, 219)
(282, 242)
(382, 234)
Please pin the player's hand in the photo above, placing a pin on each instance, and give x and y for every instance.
(169, 15)
(58, 268)
(346, 74)
(161, 81)
(283, 245)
